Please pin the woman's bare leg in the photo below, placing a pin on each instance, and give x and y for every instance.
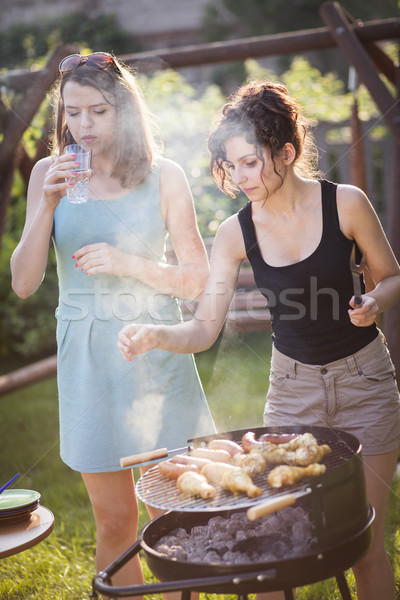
(374, 574)
(115, 510)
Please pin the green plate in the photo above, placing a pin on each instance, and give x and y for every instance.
(10, 499)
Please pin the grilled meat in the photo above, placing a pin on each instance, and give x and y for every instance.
(253, 462)
(237, 481)
(302, 450)
(288, 475)
(214, 472)
(230, 478)
(195, 484)
(213, 455)
(223, 444)
(249, 441)
(172, 470)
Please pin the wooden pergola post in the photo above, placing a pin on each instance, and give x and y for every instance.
(357, 154)
(392, 316)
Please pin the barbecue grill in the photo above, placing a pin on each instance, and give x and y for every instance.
(335, 502)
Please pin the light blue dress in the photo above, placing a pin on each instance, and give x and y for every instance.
(110, 408)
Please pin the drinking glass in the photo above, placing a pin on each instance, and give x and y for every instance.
(78, 193)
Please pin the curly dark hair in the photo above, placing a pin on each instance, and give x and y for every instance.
(265, 113)
(137, 147)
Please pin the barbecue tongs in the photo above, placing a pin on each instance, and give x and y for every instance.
(356, 273)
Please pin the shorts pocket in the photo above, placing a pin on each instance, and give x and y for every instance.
(379, 370)
(278, 376)
(379, 377)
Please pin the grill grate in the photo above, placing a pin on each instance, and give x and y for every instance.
(158, 491)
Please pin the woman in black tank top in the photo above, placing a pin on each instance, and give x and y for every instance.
(298, 233)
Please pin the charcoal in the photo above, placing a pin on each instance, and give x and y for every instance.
(280, 549)
(176, 552)
(216, 524)
(301, 531)
(222, 536)
(179, 533)
(241, 534)
(198, 529)
(236, 558)
(236, 540)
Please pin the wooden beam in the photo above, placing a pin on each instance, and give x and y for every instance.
(357, 154)
(382, 61)
(292, 42)
(357, 168)
(37, 371)
(343, 32)
(391, 318)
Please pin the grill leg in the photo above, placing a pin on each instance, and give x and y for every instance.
(185, 595)
(288, 594)
(343, 587)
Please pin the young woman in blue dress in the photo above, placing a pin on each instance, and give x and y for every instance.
(112, 269)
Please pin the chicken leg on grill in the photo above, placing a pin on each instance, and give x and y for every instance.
(230, 478)
(195, 484)
(288, 474)
(303, 450)
(238, 481)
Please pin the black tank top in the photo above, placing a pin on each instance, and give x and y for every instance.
(309, 300)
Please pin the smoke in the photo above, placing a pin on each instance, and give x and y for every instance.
(147, 412)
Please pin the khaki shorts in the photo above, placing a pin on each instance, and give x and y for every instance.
(357, 394)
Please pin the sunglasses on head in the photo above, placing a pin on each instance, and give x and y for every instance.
(96, 60)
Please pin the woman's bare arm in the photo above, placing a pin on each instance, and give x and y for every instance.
(360, 222)
(199, 333)
(47, 185)
(187, 279)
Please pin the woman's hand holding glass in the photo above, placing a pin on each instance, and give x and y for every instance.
(55, 184)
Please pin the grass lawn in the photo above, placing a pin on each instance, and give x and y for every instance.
(235, 377)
